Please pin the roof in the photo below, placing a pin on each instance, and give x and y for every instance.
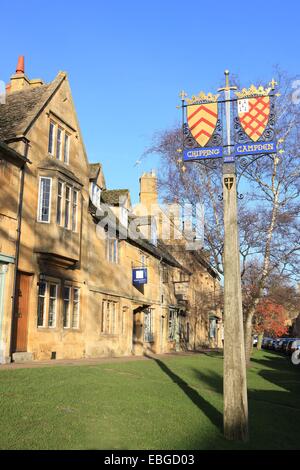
(22, 107)
(94, 170)
(112, 197)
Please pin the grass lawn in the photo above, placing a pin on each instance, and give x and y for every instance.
(171, 403)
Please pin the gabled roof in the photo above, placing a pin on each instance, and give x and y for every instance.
(94, 170)
(22, 107)
(112, 196)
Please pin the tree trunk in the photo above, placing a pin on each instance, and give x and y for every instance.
(248, 337)
(259, 341)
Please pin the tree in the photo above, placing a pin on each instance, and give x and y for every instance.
(268, 213)
(270, 318)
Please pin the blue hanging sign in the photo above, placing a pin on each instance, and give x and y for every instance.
(139, 276)
(255, 148)
(202, 153)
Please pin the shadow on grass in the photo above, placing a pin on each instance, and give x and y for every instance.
(209, 410)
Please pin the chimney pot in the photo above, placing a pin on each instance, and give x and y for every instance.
(20, 66)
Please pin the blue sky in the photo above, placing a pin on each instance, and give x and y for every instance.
(127, 61)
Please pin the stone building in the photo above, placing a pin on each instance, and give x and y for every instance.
(86, 277)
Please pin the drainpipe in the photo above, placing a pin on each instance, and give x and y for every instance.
(161, 306)
(17, 253)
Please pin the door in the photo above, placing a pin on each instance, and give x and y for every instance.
(137, 333)
(21, 313)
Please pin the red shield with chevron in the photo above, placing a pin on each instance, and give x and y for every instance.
(202, 121)
(254, 115)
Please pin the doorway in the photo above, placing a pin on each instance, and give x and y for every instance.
(20, 323)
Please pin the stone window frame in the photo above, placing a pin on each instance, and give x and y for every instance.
(39, 218)
(46, 305)
(106, 326)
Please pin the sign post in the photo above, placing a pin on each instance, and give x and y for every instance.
(252, 136)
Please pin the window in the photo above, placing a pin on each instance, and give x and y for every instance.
(112, 249)
(47, 304)
(52, 305)
(109, 319)
(96, 195)
(41, 303)
(44, 199)
(62, 142)
(71, 213)
(172, 323)
(165, 275)
(66, 148)
(183, 277)
(67, 206)
(66, 306)
(74, 210)
(76, 308)
(51, 138)
(59, 202)
(212, 327)
(71, 307)
(148, 324)
(58, 143)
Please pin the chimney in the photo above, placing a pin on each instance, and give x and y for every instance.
(20, 65)
(148, 189)
(19, 80)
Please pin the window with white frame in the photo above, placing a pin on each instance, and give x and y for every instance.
(41, 303)
(76, 307)
(51, 138)
(74, 210)
(109, 318)
(148, 325)
(47, 304)
(66, 147)
(66, 306)
(172, 323)
(59, 133)
(112, 249)
(67, 206)
(212, 327)
(60, 188)
(59, 142)
(95, 195)
(71, 307)
(44, 203)
(52, 305)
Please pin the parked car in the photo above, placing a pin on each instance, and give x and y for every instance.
(294, 345)
(296, 357)
(287, 345)
(283, 344)
(278, 344)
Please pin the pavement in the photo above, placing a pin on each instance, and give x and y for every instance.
(100, 360)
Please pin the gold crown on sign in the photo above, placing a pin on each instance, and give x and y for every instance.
(202, 97)
(253, 91)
